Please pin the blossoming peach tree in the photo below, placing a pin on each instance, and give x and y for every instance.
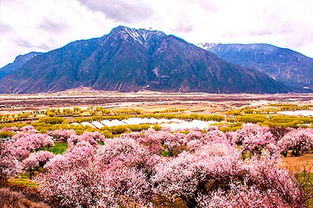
(159, 168)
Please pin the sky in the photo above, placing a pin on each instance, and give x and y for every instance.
(43, 25)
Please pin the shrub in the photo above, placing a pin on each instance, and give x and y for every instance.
(118, 129)
(292, 124)
(16, 199)
(52, 120)
(157, 127)
(6, 134)
(138, 127)
(251, 118)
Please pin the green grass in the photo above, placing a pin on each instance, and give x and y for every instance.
(58, 148)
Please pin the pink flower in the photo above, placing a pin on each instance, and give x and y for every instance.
(24, 143)
(9, 165)
(297, 140)
(61, 134)
(91, 137)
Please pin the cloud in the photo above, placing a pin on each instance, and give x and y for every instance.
(29, 44)
(37, 25)
(24, 43)
(120, 10)
(53, 26)
(5, 28)
(207, 5)
(183, 26)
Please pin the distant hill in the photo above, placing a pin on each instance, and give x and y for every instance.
(135, 59)
(17, 64)
(284, 65)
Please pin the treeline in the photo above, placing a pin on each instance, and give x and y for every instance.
(47, 124)
(277, 120)
(8, 118)
(175, 110)
(210, 117)
(91, 111)
(270, 109)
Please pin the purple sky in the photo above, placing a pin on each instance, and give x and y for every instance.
(42, 25)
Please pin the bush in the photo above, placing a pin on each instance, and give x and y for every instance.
(186, 117)
(138, 127)
(106, 133)
(169, 111)
(226, 127)
(52, 120)
(234, 112)
(118, 129)
(292, 124)
(157, 127)
(6, 134)
(20, 197)
(127, 112)
(251, 118)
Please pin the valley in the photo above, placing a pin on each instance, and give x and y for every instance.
(156, 104)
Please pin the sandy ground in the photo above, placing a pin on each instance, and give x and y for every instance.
(298, 164)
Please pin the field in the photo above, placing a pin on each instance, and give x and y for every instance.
(149, 100)
(150, 149)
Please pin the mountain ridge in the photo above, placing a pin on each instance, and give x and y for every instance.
(129, 59)
(282, 64)
(17, 63)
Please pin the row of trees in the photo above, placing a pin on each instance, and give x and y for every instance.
(270, 109)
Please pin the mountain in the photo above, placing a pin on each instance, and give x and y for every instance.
(131, 60)
(284, 65)
(17, 64)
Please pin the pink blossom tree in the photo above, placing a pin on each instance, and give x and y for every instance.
(11, 129)
(9, 165)
(92, 137)
(297, 140)
(191, 174)
(73, 179)
(29, 129)
(61, 134)
(76, 187)
(24, 143)
(114, 174)
(209, 172)
(267, 174)
(242, 196)
(254, 139)
(197, 139)
(35, 161)
(128, 170)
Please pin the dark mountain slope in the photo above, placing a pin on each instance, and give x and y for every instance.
(284, 65)
(17, 64)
